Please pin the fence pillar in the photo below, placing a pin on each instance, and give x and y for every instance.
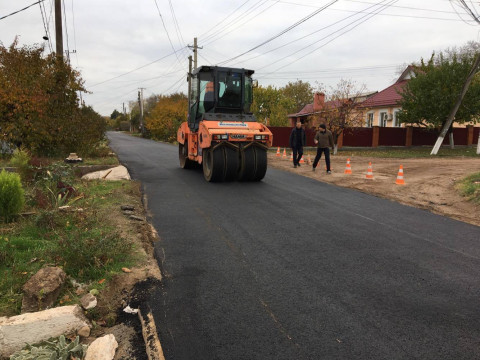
(469, 135)
(375, 136)
(340, 140)
(408, 136)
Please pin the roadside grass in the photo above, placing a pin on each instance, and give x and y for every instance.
(414, 152)
(103, 160)
(397, 152)
(86, 243)
(470, 187)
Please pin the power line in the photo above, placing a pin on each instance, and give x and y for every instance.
(46, 29)
(347, 69)
(177, 27)
(131, 71)
(370, 3)
(284, 31)
(174, 84)
(314, 32)
(235, 19)
(166, 31)
(140, 81)
(404, 16)
(359, 21)
(48, 21)
(386, 14)
(25, 8)
(224, 19)
(470, 11)
(221, 35)
(461, 18)
(204, 58)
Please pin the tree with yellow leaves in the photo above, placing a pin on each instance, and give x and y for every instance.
(166, 117)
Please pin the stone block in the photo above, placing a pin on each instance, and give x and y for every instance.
(43, 288)
(102, 348)
(32, 328)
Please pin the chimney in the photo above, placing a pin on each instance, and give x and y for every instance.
(318, 101)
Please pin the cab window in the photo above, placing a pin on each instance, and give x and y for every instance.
(207, 94)
(229, 90)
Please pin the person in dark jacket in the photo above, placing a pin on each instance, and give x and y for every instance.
(323, 139)
(297, 142)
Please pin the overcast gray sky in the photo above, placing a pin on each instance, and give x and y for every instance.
(364, 40)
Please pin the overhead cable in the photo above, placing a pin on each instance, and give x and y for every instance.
(220, 33)
(359, 21)
(25, 8)
(284, 31)
(250, 18)
(469, 10)
(166, 31)
(235, 19)
(45, 27)
(131, 71)
(224, 19)
(310, 34)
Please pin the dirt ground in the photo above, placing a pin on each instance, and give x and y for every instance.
(429, 182)
(120, 290)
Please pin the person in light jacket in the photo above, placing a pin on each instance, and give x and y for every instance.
(298, 140)
(323, 140)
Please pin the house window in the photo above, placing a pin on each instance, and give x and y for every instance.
(396, 121)
(369, 120)
(383, 119)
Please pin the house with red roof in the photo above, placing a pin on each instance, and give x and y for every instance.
(382, 108)
(319, 107)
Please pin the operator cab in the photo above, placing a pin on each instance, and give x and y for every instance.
(220, 93)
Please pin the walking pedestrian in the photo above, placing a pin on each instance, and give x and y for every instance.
(297, 142)
(323, 139)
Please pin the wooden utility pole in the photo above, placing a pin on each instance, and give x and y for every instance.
(195, 52)
(195, 48)
(140, 99)
(451, 117)
(58, 28)
(189, 79)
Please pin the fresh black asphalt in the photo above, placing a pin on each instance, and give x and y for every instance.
(292, 268)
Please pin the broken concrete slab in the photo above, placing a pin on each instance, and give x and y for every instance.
(116, 173)
(43, 288)
(102, 348)
(32, 328)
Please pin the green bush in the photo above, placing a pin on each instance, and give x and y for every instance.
(11, 195)
(21, 160)
(58, 348)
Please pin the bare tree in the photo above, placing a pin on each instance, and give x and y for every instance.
(342, 108)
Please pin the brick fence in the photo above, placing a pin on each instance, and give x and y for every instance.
(383, 136)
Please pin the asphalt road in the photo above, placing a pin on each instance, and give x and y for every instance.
(291, 268)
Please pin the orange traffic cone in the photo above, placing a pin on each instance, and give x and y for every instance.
(369, 172)
(309, 160)
(348, 168)
(291, 156)
(284, 153)
(278, 151)
(400, 180)
(301, 160)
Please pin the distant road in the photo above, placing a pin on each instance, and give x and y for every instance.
(291, 268)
